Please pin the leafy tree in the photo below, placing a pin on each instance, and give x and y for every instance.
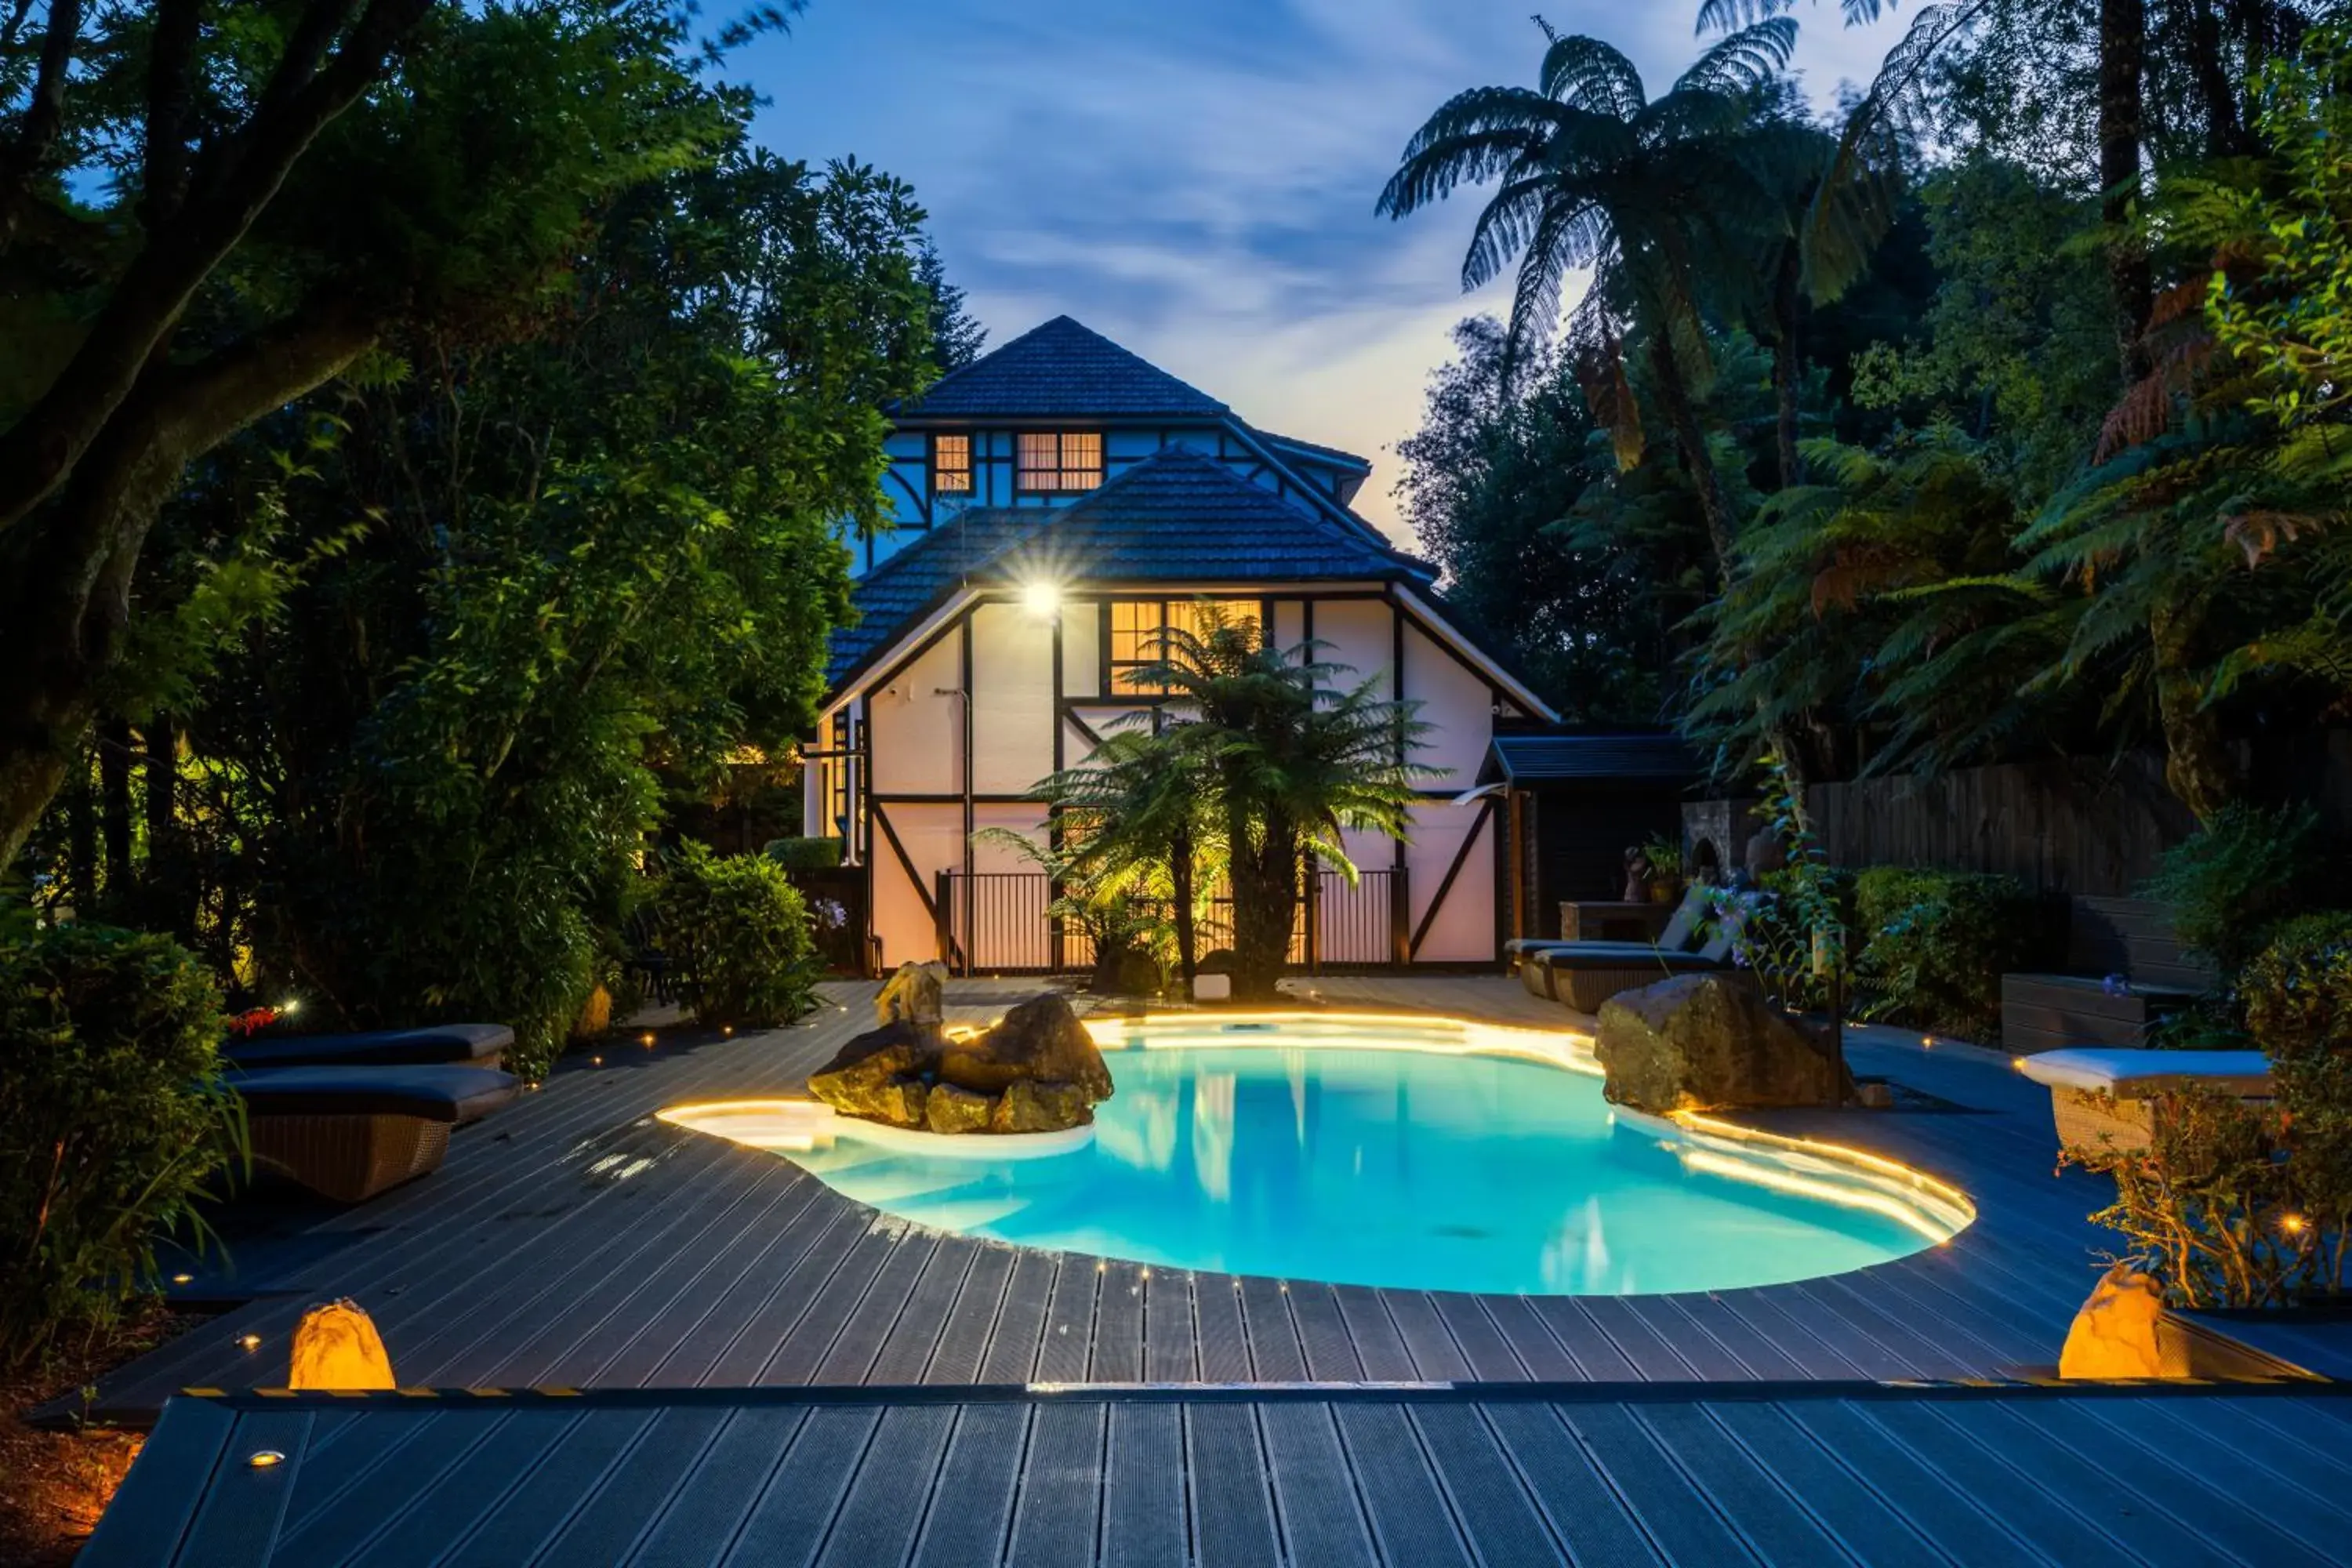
(1289, 760)
(207, 211)
(587, 563)
(957, 339)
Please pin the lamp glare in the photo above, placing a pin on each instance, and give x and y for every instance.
(1041, 598)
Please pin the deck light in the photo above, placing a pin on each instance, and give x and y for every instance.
(1042, 598)
(291, 1006)
(183, 1279)
(251, 1342)
(2291, 1224)
(648, 1042)
(265, 1458)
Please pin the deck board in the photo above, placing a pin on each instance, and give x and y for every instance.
(530, 1258)
(1630, 1476)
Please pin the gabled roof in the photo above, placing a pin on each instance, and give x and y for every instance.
(1060, 369)
(1526, 759)
(1333, 454)
(1177, 517)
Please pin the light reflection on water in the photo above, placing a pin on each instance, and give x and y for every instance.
(1379, 1167)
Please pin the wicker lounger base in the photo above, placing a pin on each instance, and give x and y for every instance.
(2087, 1119)
(350, 1159)
(1586, 989)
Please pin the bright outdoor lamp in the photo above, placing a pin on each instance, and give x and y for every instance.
(1042, 598)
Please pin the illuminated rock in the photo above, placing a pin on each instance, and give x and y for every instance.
(915, 995)
(2122, 1332)
(880, 1074)
(948, 1109)
(336, 1346)
(1041, 1041)
(1702, 1042)
(1031, 1107)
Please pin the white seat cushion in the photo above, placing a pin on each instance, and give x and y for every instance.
(2130, 1074)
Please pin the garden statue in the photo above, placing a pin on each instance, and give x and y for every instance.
(1637, 875)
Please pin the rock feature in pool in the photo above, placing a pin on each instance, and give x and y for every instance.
(1036, 1071)
(1711, 1042)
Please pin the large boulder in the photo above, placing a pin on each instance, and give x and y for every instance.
(1036, 1071)
(1027, 1106)
(1702, 1042)
(915, 994)
(881, 1075)
(1039, 1041)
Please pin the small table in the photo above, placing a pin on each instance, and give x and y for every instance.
(1612, 920)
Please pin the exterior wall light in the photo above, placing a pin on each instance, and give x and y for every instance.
(1042, 599)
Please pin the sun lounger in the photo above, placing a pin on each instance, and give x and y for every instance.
(1584, 974)
(2104, 1097)
(350, 1133)
(1676, 937)
(462, 1045)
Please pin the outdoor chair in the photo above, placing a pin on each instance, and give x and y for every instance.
(350, 1133)
(460, 1045)
(1584, 974)
(2105, 1097)
(1676, 937)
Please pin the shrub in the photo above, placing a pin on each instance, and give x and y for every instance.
(2237, 876)
(112, 1120)
(2251, 1206)
(737, 935)
(1934, 944)
(2298, 993)
(805, 854)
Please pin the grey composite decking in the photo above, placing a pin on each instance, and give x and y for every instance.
(1806, 1476)
(573, 1241)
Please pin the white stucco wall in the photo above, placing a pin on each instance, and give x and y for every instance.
(1012, 698)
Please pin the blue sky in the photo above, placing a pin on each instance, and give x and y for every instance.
(1195, 178)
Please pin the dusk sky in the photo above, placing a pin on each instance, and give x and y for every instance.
(1195, 178)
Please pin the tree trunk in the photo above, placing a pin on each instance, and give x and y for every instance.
(1179, 886)
(1690, 443)
(1265, 901)
(2197, 766)
(1786, 304)
(2123, 64)
(114, 808)
(81, 839)
(2225, 134)
(65, 573)
(170, 902)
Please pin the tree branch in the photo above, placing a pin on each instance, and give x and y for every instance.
(44, 114)
(170, 61)
(233, 183)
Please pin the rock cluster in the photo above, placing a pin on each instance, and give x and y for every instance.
(1699, 1042)
(1036, 1071)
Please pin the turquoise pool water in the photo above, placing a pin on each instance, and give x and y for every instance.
(1228, 1149)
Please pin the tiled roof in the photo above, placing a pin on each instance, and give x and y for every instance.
(1176, 517)
(1345, 459)
(1057, 370)
(1528, 758)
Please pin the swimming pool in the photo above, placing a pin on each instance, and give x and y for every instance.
(1425, 1154)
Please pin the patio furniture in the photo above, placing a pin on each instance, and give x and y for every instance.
(350, 1133)
(2127, 972)
(2106, 1098)
(1612, 920)
(1676, 935)
(466, 1045)
(1584, 974)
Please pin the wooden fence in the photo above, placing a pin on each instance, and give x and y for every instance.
(2060, 826)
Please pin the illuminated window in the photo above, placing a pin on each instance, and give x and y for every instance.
(952, 465)
(1137, 626)
(1054, 460)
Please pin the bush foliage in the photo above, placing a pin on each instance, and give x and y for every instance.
(1935, 946)
(2235, 879)
(2243, 1205)
(805, 854)
(112, 1120)
(738, 937)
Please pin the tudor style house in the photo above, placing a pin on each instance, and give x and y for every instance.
(1058, 501)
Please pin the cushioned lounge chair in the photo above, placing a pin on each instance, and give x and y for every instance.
(459, 1045)
(1679, 929)
(2104, 1096)
(350, 1133)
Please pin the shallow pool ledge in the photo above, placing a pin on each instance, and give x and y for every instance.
(787, 1126)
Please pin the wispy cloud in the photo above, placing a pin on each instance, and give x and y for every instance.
(1197, 180)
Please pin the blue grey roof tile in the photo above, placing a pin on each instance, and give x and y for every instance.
(1525, 759)
(1060, 370)
(1177, 517)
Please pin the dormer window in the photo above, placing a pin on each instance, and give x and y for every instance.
(1050, 461)
(952, 465)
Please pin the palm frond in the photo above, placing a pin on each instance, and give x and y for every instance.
(1592, 74)
(1742, 62)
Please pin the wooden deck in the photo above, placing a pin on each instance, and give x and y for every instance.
(573, 1241)
(1808, 1477)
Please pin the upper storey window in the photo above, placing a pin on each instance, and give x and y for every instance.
(1055, 460)
(952, 465)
